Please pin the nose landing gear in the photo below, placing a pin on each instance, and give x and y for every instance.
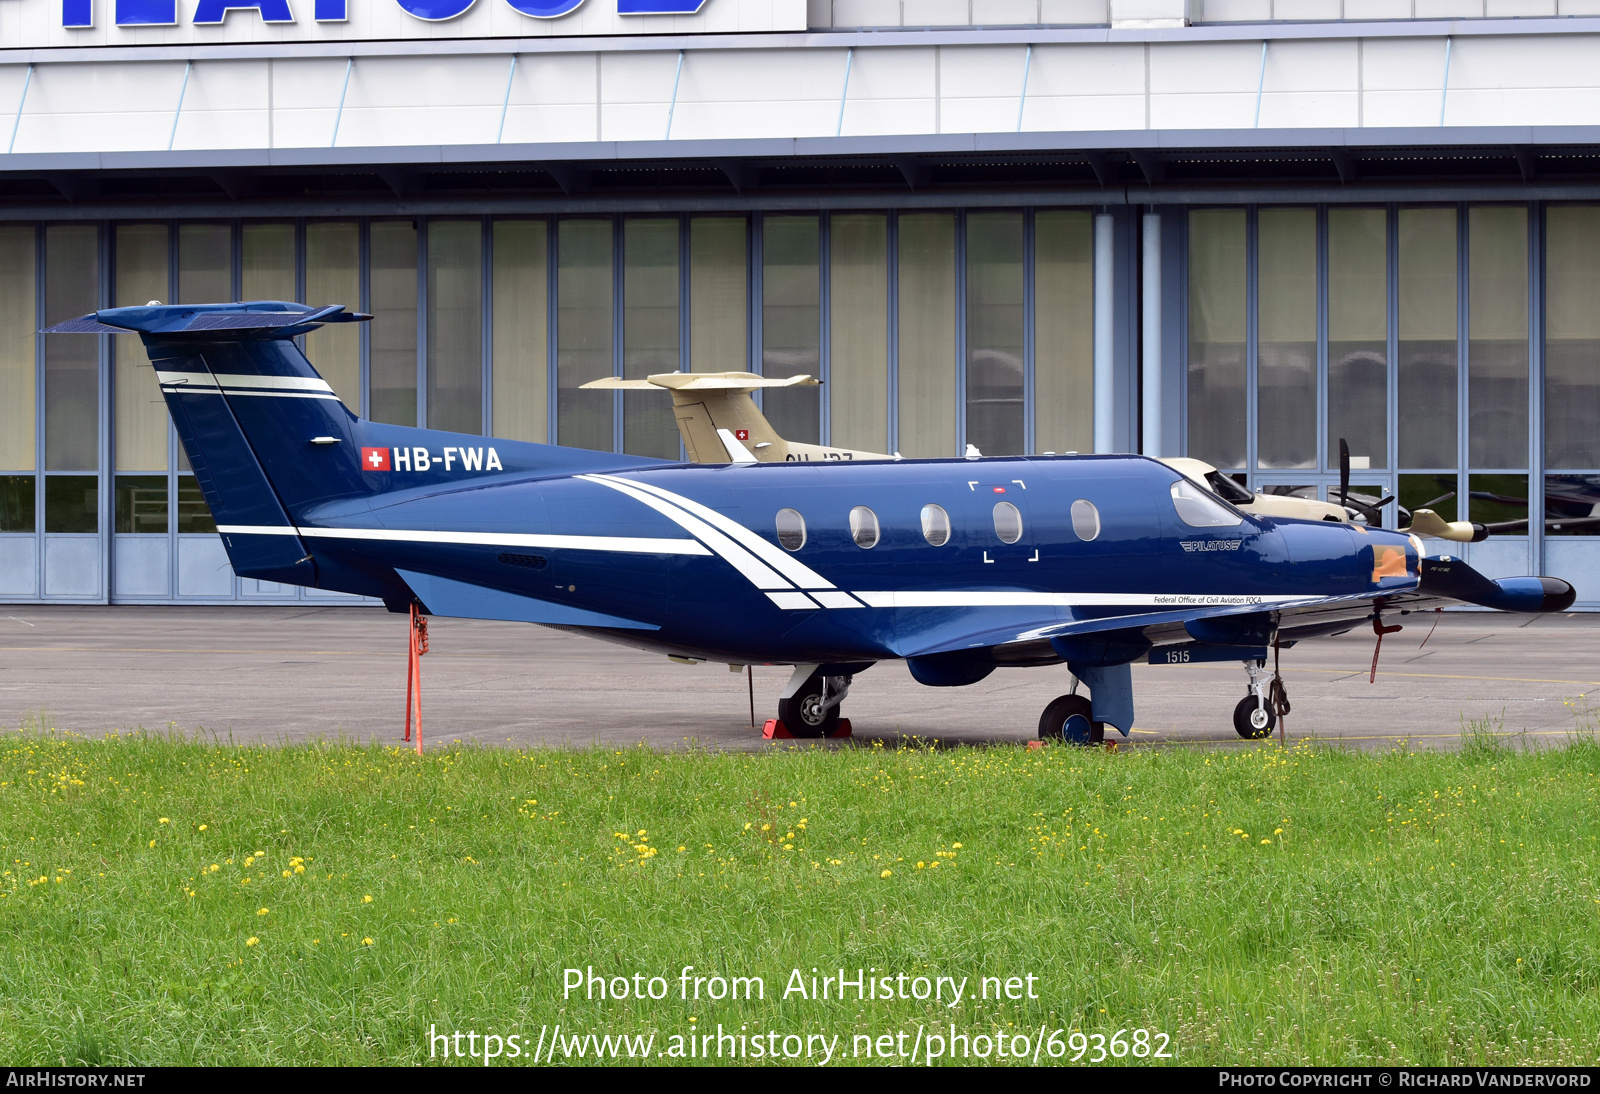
(1257, 713)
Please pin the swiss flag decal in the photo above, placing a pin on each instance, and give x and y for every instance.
(741, 434)
(375, 459)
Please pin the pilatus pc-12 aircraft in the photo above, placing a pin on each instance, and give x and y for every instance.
(957, 566)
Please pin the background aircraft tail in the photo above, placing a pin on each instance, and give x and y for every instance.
(720, 422)
(272, 447)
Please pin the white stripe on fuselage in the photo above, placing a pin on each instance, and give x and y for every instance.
(759, 575)
(980, 598)
(278, 387)
(779, 559)
(623, 544)
(239, 379)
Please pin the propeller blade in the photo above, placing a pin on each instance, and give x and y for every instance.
(1344, 472)
(1437, 500)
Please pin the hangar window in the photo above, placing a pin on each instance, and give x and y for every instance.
(1007, 522)
(935, 525)
(1199, 509)
(791, 530)
(1085, 520)
(864, 526)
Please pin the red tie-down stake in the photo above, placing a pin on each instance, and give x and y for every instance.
(1380, 630)
(419, 645)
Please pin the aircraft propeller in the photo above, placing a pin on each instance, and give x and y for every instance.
(1373, 512)
(1423, 520)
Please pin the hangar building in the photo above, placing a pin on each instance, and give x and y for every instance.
(1234, 229)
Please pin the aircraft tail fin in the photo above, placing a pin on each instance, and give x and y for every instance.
(274, 450)
(705, 402)
(709, 404)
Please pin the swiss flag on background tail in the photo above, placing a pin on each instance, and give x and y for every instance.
(375, 459)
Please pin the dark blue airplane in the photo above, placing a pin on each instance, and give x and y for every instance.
(956, 566)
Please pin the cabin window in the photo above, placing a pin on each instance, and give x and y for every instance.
(935, 525)
(1199, 509)
(864, 526)
(1007, 522)
(1085, 520)
(791, 530)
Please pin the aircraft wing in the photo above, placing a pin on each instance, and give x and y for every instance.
(1445, 582)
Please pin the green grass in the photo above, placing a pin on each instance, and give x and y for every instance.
(1255, 905)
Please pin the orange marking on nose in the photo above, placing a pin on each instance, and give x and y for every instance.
(1390, 562)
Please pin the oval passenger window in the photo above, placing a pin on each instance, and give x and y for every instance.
(864, 526)
(1198, 509)
(1085, 519)
(791, 530)
(1007, 522)
(935, 525)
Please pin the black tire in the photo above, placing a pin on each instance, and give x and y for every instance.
(1070, 718)
(801, 713)
(1248, 717)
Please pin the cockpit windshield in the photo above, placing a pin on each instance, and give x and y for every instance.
(1199, 508)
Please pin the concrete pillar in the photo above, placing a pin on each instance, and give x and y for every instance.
(1150, 322)
(1105, 363)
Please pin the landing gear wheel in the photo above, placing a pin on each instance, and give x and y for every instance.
(1070, 718)
(1253, 721)
(802, 713)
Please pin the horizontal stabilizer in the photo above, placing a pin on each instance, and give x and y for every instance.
(701, 381)
(84, 324)
(444, 596)
(274, 317)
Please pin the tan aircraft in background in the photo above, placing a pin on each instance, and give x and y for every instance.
(720, 423)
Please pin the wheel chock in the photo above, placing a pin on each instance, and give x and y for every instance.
(775, 730)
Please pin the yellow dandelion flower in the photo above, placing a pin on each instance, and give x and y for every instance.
(262, 911)
(163, 820)
(286, 873)
(152, 843)
(921, 865)
(203, 827)
(366, 941)
(955, 845)
(1266, 841)
(788, 847)
(251, 941)
(681, 847)
(366, 899)
(886, 873)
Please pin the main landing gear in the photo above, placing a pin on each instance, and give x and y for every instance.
(1070, 718)
(1257, 713)
(809, 706)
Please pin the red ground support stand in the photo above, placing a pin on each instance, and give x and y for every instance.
(775, 730)
(419, 646)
